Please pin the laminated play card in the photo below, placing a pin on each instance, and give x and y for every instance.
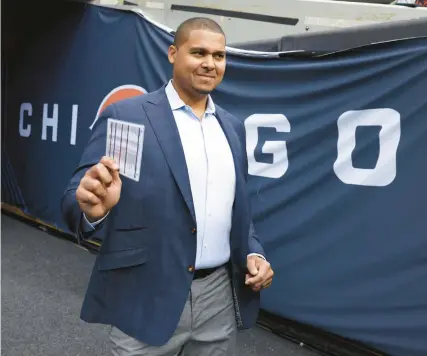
(125, 142)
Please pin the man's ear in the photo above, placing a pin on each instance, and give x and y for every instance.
(172, 54)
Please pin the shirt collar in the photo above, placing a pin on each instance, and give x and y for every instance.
(176, 102)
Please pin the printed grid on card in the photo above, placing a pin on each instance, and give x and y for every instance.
(125, 143)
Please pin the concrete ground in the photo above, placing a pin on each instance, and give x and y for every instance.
(43, 283)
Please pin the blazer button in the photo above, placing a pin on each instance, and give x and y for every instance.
(190, 269)
(193, 230)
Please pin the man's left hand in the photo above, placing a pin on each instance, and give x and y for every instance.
(260, 273)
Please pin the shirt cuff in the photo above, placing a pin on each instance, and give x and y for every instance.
(257, 254)
(90, 226)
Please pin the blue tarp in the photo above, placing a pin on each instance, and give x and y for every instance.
(337, 160)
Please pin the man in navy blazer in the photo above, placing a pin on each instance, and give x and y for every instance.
(180, 267)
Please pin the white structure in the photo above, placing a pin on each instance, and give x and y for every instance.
(253, 20)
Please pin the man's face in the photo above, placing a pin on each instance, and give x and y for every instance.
(199, 63)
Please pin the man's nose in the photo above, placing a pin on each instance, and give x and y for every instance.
(209, 63)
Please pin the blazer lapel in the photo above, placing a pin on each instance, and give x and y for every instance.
(234, 142)
(162, 121)
(239, 206)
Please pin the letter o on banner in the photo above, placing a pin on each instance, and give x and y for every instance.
(277, 148)
(385, 170)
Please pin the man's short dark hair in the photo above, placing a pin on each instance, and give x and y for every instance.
(195, 23)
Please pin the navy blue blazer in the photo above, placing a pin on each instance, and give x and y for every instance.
(142, 276)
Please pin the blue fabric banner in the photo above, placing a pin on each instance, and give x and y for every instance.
(337, 160)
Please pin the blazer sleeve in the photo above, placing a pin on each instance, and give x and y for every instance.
(92, 154)
(254, 242)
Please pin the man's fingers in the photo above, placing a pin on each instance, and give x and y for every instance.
(110, 163)
(101, 173)
(267, 283)
(254, 280)
(267, 280)
(86, 197)
(264, 273)
(94, 186)
(251, 265)
(115, 175)
(112, 167)
(260, 285)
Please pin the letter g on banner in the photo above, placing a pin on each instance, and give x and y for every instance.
(385, 170)
(276, 148)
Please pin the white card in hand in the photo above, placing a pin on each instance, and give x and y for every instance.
(125, 143)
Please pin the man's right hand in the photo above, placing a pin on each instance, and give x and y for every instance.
(99, 190)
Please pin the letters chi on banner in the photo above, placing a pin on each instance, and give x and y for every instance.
(337, 160)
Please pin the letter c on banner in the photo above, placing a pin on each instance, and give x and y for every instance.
(385, 171)
(25, 131)
(277, 148)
